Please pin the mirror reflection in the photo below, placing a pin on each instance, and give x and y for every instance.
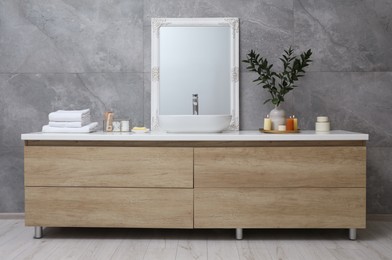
(194, 60)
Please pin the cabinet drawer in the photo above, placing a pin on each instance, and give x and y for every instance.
(280, 208)
(280, 167)
(109, 166)
(108, 207)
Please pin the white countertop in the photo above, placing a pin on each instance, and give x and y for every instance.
(304, 135)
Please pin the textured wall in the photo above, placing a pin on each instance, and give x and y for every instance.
(96, 53)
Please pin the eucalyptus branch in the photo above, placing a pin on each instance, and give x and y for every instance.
(278, 84)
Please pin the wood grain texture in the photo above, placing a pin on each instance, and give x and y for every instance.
(108, 207)
(109, 166)
(280, 207)
(280, 167)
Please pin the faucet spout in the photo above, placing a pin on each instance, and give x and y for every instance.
(195, 104)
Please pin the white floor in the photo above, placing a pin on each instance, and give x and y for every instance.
(16, 242)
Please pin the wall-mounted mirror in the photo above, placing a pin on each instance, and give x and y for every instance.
(195, 56)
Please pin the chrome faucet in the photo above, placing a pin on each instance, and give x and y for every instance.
(195, 104)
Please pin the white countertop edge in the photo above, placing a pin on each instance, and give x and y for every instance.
(305, 135)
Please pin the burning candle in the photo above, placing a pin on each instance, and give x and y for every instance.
(267, 123)
(295, 123)
(290, 124)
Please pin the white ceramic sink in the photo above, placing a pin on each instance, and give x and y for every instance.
(194, 123)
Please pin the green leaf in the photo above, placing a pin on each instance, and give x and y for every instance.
(278, 84)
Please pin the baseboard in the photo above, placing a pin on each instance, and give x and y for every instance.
(379, 217)
(12, 215)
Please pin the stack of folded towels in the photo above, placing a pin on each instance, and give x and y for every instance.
(70, 121)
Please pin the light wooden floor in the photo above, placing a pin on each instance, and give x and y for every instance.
(16, 242)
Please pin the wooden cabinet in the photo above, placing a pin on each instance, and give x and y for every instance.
(109, 166)
(196, 184)
(68, 186)
(280, 187)
(109, 207)
(280, 207)
(280, 167)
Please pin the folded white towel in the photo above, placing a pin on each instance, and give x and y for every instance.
(70, 115)
(69, 124)
(85, 129)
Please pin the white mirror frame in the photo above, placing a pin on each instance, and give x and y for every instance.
(233, 23)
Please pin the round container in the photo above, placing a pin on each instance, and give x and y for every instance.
(322, 124)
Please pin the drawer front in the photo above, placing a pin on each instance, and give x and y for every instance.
(280, 208)
(109, 166)
(108, 207)
(280, 167)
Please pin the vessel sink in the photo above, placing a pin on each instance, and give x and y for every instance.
(194, 123)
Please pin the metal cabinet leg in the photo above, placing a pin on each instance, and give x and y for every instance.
(352, 233)
(238, 233)
(38, 232)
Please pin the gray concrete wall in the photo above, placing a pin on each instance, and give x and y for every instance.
(96, 53)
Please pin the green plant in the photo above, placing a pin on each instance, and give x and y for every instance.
(278, 84)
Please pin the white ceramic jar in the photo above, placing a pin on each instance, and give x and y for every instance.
(322, 124)
(278, 117)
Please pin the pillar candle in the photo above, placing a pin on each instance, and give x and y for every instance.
(295, 123)
(290, 124)
(267, 123)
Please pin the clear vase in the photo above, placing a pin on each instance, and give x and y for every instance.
(278, 117)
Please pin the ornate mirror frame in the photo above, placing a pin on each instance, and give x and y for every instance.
(233, 23)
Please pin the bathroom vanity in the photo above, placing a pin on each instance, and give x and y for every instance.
(236, 180)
